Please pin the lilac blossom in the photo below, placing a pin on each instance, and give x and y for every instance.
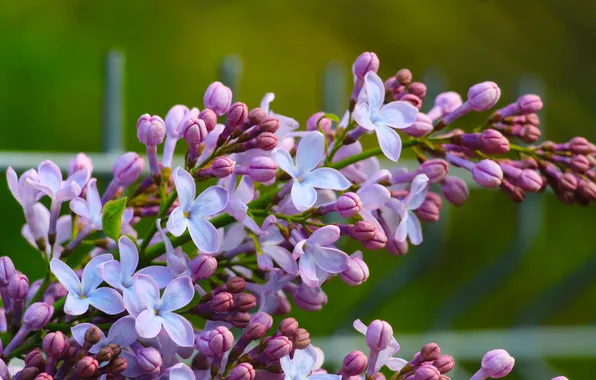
(287, 125)
(306, 178)
(302, 364)
(409, 225)
(159, 311)
(271, 251)
(181, 371)
(374, 116)
(42, 220)
(51, 183)
(85, 292)
(241, 191)
(373, 197)
(192, 213)
(384, 357)
(90, 208)
(122, 332)
(270, 294)
(318, 258)
(178, 261)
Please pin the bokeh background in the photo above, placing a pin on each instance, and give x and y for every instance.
(489, 265)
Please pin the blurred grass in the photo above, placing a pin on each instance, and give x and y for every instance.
(51, 96)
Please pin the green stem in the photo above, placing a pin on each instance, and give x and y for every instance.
(153, 227)
(44, 286)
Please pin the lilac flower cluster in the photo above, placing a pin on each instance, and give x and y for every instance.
(254, 197)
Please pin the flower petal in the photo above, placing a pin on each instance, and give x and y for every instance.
(233, 237)
(107, 300)
(268, 98)
(129, 256)
(373, 196)
(401, 233)
(396, 364)
(360, 327)
(90, 278)
(375, 90)
(397, 115)
(111, 272)
(132, 303)
(79, 177)
(286, 366)
(94, 202)
(324, 376)
(179, 329)
(78, 333)
(50, 175)
(281, 256)
(264, 262)
(245, 190)
(75, 305)
(177, 222)
(390, 142)
(327, 178)
(284, 161)
(204, 235)
(325, 235)
(417, 193)
(80, 207)
(308, 273)
(66, 276)
(311, 150)
(181, 371)
(162, 275)
(63, 229)
(362, 117)
(123, 331)
(146, 290)
(210, 202)
(331, 260)
(177, 294)
(303, 195)
(13, 183)
(148, 324)
(237, 209)
(186, 188)
(132, 370)
(304, 361)
(414, 229)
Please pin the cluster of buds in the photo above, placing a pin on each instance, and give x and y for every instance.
(265, 206)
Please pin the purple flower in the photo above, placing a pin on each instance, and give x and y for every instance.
(310, 152)
(42, 221)
(271, 251)
(119, 275)
(409, 225)
(286, 124)
(270, 294)
(302, 364)
(240, 193)
(51, 184)
(160, 310)
(91, 208)
(193, 213)
(181, 371)
(122, 332)
(318, 258)
(373, 196)
(385, 357)
(21, 191)
(178, 261)
(84, 292)
(374, 116)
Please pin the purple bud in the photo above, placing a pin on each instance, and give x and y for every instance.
(278, 347)
(560, 378)
(363, 231)
(404, 77)
(4, 375)
(436, 170)
(397, 248)
(269, 124)
(149, 359)
(302, 339)
(356, 273)
(27, 373)
(579, 163)
(79, 162)
(267, 141)
(365, 63)
(56, 345)
(222, 302)
(497, 363)
(215, 343)
(105, 354)
(240, 319)
(86, 367)
(237, 115)
(262, 169)
(444, 363)
(117, 365)
(309, 299)
(324, 123)
(151, 130)
(173, 119)
(448, 102)
(493, 142)
(44, 376)
(430, 352)
(243, 371)
(194, 131)
(288, 327)
(530, 133)
(218, 98)
(378, 241)
(529, 103)
(427, 372)
(455, 190)
(349, 205)
(412, 99)
(258, 326)
(430, 209)
(209, 117)
(418, 89)
(530, 180)
(235, 285)
(34, 359)
(245, 302)
(203, 267)
(256, 115)
(421, 127)
(379, 335)
(567, 182)
(38, 315)
(579, 145)
(18, 287)
(354, 363)
(7, 270)
(487, 173)
(128, 168)
(483, 96)
(222, 167)
(93, 335)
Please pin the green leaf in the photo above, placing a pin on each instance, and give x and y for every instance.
(331, 116)
(111, 217)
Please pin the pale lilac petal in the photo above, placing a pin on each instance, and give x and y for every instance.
(272, 235)
(41, 219)
(146, 290)
(375, 90)
(204, 235)
(397, 115)
(39, 186)
(286, 365)
(123, 331)
(307, 271)
(298, 249)
(401, 233)
(94, 201)
(304, 196)
(327, 178)
(129, 256)
(69, 191)
(390, 142)
(50, 175)
(186, 188)
(396, 364)
(414, 229)
(148, 324)
(66, 276)
(304, 361)
(347, 151)
(310, 152)
(325, 235)
(13, 183)
(331, 260)
(75, 305)
(181, 371)
(268, 98)
(131, 302)
(373, 196)
(210, 202)
(79, 177)
(282, 257)
(233, 237)
(264, 261)
(367, 216)
(80, 207)
(360, 327)
(245, 190)
(162, 275)
(111, 272)
(78, 333)
(107, 300)
(63, 229)
(132, 370)
(179, 329)
(177, 222)
(417, 193)
(324, 376)
(177, 294)
(284, 161)
(237, 209)
(362, 117)
(252, 225)
(164, 237)
(90, 278)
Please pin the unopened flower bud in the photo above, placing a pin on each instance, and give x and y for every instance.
(435, 169)
(56, 345)
(430, 351)
(34, 359)
(530, 180)
(317, 120)
(128, 168)
(365, 63)
(28, 373)
(18, 287)
(455, 190)
(302, 339)
(404, 77)
(579, 145)
(560, 378)
(412, 99)
(445, 103)
(493, 142)
(203, 267)
(362, 231)
(237, 115)
(7, 270)
(418, 89)
(258, 326)
(218, 98)
(379, 335)
(149, 359)
(194, 131)
(378, 241)
(221, 302)
(256, 115)
(487, 173)
(529, 103)
(354, 363)
(278, 347)
(117, 365)
(288, 327)
(356, 273)
(349, 205)
(105, 354)
(309, 299)
(586, 190)
(173, 119)
(243, 371)
(79, 162)
(245, 302)
(262, 169)
(567, 182)
(116, 350)
(427, 372)
(209, 117)
(151, 130)
(497, 363)
(4, 375)
(269, 124)
(86, 367)
(240, 319)
(444, 363)
(579, 163)
(235, 285)
(38, 315)
(397, 248)
(215, 343)
(222, 167)
(483, 96)
(430, 209)
(44, 376)
(267, 141)
(421, 127)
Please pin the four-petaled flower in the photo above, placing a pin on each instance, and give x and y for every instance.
(160, 310)
(122, 332)
(374, 116)
(42, 221)
(85, 292)
(193, 213)
(318, 258)
(409, 225)
(286, 124)
(302, 364)
(51, 184)
(271, 250)
(240, 193)
(385, 357)
(310, 152)
(89, 208)
(373, 196)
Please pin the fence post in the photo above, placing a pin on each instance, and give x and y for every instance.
(334, 89)
(113, 110)
(230, 70)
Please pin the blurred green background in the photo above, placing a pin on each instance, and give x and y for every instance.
(470, 273)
